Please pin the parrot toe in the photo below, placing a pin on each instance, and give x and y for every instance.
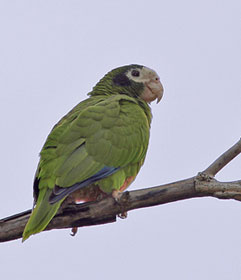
(116, 194)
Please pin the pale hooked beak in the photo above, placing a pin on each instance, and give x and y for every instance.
(157, 89)
(154, 90)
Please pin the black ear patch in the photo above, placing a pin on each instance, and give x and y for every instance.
(121, 80)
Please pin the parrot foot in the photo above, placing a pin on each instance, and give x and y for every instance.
(121, 199)
(74, 230)
(116, 194)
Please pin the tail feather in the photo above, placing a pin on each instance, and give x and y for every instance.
(41, 214)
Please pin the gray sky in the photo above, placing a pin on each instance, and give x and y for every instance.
(52, 53)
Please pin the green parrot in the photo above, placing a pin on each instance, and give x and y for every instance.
(98, 147)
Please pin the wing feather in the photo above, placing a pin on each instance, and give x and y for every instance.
(108, 135)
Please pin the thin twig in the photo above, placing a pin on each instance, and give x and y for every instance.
(223, 160)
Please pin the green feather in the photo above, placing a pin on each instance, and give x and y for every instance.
(41, 215)
(109, 129)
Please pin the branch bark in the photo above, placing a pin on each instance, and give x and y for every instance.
(105, 211)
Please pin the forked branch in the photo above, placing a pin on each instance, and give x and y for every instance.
(106, 210)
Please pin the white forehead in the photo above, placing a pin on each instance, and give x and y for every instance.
(146, 74)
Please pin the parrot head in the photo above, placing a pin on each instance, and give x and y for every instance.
(134, 80)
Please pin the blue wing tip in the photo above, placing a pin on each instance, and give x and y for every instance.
(59, 193)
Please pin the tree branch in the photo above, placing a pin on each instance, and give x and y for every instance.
(105, 211)
(224, 159)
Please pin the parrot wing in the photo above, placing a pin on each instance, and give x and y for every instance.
(103, 138)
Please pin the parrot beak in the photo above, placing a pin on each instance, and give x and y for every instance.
(157, 89)
(154, 90)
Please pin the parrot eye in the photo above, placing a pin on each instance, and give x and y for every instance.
(135, 73)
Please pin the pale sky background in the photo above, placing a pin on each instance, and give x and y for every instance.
(51, 54)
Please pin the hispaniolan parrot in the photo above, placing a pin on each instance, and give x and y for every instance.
(99, 146)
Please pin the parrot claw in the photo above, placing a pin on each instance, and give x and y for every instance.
(74, 230)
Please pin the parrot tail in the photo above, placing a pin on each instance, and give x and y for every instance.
(41, 215)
